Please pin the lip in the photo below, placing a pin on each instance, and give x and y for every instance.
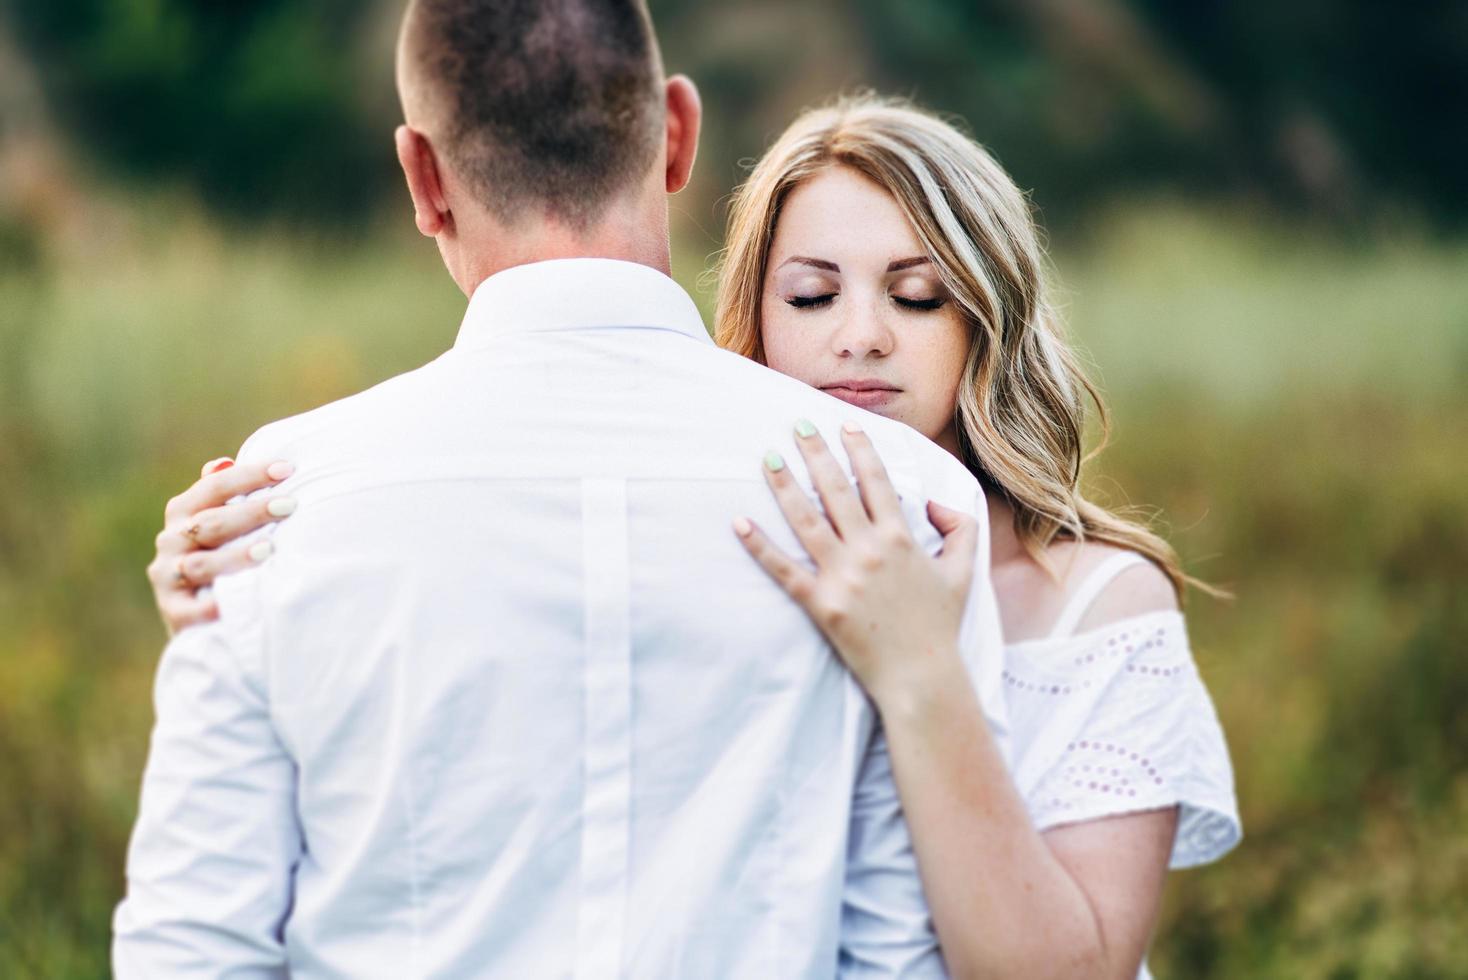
(863, 392)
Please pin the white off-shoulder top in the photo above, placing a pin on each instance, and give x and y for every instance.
(1116, 719)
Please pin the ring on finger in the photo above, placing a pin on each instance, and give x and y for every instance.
(181, 578)
(192, 533)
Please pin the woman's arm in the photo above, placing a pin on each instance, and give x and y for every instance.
(200, 524)
(1007, 900)
(1076, 901)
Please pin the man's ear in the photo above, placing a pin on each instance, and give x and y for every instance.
(684, 113)
(420, 167)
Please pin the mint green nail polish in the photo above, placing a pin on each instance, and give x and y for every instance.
(773, 462)
(805, 428)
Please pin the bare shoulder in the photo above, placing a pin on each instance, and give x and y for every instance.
(1032, 598)
(1138, 589)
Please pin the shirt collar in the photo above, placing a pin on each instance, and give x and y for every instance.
(578, 294)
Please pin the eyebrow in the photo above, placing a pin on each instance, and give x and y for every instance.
(897, 266)
(816, 263)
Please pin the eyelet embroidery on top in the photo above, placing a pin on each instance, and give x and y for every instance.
(1124, 644)
(1120, 777)
(1014, 681)
(1109, 748)
(1094, 777)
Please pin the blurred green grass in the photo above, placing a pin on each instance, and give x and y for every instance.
(1294, 404)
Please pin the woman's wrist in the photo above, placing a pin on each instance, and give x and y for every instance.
(919, 681)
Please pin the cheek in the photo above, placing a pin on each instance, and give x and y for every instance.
(943, 360)
(791, 347)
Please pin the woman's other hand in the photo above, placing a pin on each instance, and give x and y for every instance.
(892, 611)
(200, 532)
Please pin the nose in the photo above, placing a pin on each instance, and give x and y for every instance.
(864, 332)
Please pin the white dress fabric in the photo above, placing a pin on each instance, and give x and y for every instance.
(1116, 720)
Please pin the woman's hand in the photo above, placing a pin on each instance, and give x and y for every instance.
(199, 526)
(891, 611)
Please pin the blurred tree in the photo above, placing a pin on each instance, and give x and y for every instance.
(1334, 106)
(1331, 105)
(252, 102)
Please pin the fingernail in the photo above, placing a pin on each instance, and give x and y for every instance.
(742, 527)
(851, 425)
(773, 462)
(220, 464)
(282, 506)
(260, 550)
(279, 470)
(805, 428)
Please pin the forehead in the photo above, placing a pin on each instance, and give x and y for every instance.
(842, 213)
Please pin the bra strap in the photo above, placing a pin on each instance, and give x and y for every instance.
(1090, 588)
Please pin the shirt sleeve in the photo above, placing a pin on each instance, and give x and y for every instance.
(209, 868)
(886, 929)
(1121, 722)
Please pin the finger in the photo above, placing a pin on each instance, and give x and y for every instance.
(872, 481)
(790, 575)
(218, 487)
(182, 611)
(221, 525)
(960, 540)
(838, 496)
(170, 542)
(215, 465)
(201, 568)
(810, 525)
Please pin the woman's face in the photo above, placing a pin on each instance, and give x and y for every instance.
(853, 306)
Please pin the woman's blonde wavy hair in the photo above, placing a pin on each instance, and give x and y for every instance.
(1021, 404)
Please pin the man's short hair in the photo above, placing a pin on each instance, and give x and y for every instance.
(549, 105)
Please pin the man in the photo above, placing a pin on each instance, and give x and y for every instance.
(510, 699)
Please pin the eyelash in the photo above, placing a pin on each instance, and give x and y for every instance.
(814, 302)
(921, 304)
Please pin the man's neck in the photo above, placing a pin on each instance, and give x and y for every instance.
(630, 237)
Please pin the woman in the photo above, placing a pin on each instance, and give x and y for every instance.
(937, 314)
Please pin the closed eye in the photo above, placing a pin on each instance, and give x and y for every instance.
(921, 304)
(806, 302)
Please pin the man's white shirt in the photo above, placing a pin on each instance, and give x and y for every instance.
(511, 700)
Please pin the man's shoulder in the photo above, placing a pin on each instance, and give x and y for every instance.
(947, 479)
(910, 457)
(327, 424)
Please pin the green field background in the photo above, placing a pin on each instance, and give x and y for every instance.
(1295, 412)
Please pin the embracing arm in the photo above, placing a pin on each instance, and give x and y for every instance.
(1007, 900)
